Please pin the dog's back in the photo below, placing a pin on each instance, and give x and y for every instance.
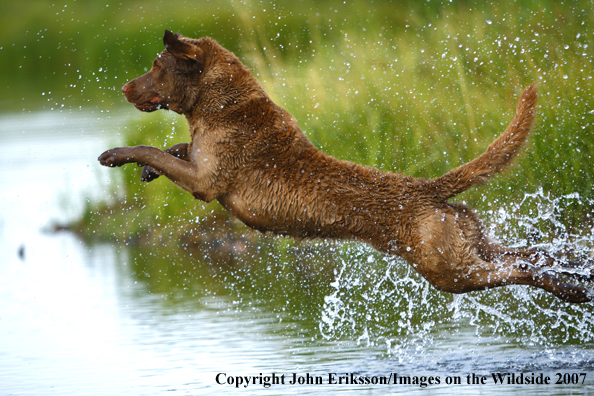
(317, 195)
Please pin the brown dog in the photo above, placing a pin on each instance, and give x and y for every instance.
(250, 155)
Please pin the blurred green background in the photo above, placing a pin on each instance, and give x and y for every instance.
(411, 87)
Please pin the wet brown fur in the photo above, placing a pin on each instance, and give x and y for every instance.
(250, 155)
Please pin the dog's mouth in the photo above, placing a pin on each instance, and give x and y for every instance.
(155, 103)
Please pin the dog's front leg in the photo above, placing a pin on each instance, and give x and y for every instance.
(183, 173)
(179, 150)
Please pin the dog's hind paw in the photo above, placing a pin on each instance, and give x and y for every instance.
(575, 294)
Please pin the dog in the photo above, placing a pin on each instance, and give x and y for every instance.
(250, 155)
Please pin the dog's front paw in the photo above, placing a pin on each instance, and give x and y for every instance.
(148, 174)
(116, 157)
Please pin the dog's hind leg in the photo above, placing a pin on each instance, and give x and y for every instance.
(513, 271)
(539, 259)
(179, 150)
(454, 254)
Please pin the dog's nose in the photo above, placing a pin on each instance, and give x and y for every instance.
(126, 87)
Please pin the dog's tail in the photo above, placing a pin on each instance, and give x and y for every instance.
(497, 156)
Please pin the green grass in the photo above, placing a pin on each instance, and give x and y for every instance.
(416, 88)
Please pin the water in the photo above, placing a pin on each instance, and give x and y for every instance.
(104, 319)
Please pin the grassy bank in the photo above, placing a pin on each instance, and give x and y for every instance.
(412, 88)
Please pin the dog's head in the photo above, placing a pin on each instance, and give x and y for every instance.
(176, 75)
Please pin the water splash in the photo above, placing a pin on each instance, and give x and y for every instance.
(379, 300)
(537, 221)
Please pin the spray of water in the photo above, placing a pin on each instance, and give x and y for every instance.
(380, 300)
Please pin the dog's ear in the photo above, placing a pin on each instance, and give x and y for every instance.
(178, 48)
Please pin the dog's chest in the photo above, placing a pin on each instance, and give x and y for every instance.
(204, 150)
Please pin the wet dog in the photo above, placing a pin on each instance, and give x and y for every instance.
(250, 155)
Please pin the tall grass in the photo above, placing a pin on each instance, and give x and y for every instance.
(406, 88)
